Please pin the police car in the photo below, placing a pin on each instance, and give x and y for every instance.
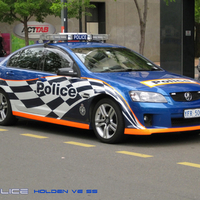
(93, 85)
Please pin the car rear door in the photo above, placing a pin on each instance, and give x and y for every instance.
(34, 86)
(23, 71)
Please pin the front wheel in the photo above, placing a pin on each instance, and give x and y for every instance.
(107, 121)
(6, 117)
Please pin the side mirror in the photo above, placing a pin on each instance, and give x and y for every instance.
(67, 72)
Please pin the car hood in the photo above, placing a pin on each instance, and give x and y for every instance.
(156, 81)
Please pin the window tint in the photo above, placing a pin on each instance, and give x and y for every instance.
(55, 59)
(113, 60)
(28, 59)
(12, 61)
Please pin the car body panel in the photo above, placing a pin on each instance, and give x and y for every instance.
(68, 100)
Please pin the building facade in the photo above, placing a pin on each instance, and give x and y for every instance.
(117, 18)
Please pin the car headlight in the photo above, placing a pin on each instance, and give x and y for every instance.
(142, 96)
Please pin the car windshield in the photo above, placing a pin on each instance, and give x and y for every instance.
(113, 60)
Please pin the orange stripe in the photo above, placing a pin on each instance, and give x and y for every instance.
(19, 80)
(28, 79)
(51, 120)
(131, 131)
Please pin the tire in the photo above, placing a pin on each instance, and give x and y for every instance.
(107, 121)
(6, 117)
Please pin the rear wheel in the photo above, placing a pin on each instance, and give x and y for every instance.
(107, 121)
(6, 117)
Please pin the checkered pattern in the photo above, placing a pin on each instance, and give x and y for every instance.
(24, 98)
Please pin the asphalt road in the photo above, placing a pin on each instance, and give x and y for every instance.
(44, 161)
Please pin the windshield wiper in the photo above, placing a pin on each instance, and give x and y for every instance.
(141, 70)
(130, 70)
(124, 70)
(155, 69)
(119, 70)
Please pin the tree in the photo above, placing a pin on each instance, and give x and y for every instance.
(167, 1)
(23, 10)
(76, 8)
(143, 22)
(73, 7)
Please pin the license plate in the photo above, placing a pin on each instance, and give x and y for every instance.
(192, 113)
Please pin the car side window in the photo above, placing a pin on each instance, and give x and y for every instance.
(13, 60)
(30, 58)
(27, 59)
(55, 59)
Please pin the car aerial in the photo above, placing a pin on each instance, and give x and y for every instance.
(94, 85)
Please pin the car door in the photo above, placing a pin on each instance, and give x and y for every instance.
(23, 71)
(59, 93)
(35, 87)
(25, 64)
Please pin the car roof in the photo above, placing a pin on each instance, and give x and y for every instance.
(73, 45)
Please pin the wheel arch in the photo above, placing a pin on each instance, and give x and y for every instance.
(10, 95)
(96, 100)
(7, 118)
(6, 93)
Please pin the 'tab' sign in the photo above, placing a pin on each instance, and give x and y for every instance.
(35, 29)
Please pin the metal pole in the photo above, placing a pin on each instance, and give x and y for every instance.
(80, 16)
(64, 24)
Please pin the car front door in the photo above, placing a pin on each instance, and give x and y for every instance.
(58, 93)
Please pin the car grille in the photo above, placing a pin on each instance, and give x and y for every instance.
(185, 122)
(179, 96)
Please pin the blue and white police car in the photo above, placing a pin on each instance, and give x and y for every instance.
(93, 85)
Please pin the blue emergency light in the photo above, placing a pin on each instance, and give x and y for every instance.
(73, 37)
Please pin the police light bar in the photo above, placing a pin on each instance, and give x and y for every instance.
(72, 36)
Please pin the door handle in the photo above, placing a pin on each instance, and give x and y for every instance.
(41, 78)
(10, 73)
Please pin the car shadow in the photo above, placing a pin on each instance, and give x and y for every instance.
(53, 129)
(167, 139)
(129, 140)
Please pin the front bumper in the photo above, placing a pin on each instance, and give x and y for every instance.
(132, 131)
(164, 118)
